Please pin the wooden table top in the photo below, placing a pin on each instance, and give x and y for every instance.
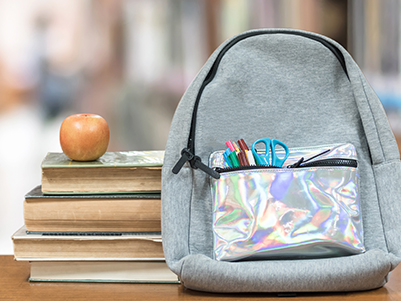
(14, 285)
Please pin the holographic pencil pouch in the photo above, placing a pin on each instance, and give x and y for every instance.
(309, 208)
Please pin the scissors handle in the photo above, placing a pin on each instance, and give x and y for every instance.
(276, 161)
(270, 145)
(262, 159)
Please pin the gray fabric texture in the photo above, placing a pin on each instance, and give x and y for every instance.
(291, 88)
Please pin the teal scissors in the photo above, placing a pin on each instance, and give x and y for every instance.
(270, 147)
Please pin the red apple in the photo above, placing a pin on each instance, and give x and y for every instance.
(84, 137)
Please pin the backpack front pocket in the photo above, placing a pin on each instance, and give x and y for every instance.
(310, 211)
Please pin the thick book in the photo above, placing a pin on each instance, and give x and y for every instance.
(102, 271)
(114, 172)
(86, 246)
(91, 212)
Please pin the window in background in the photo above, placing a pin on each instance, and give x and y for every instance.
(374, 41)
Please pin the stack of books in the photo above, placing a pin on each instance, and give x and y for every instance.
(95, 221)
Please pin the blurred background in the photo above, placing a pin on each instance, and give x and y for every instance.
(131, 60)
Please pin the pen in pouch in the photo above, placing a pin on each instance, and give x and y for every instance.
(226, 157)
(237, 150)
(248, 154)
(242, 158)
(240, 155)
(250, 157)
(234, 159)
(232, 156)
(230, 145)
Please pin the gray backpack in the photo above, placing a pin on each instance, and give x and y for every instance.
(305, 90)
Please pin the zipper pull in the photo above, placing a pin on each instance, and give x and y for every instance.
(197, 163)
(296, 164)
(186, 155)
(302, 160)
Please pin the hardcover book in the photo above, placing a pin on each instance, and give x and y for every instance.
(114, 172)
(102, 271)
(92, 213)
(87, 246)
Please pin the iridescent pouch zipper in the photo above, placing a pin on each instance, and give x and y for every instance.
(302, 210)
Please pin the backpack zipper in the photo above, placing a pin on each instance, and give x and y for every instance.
(333, 162)
(188, 153)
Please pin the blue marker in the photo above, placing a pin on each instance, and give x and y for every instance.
(226, 154)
